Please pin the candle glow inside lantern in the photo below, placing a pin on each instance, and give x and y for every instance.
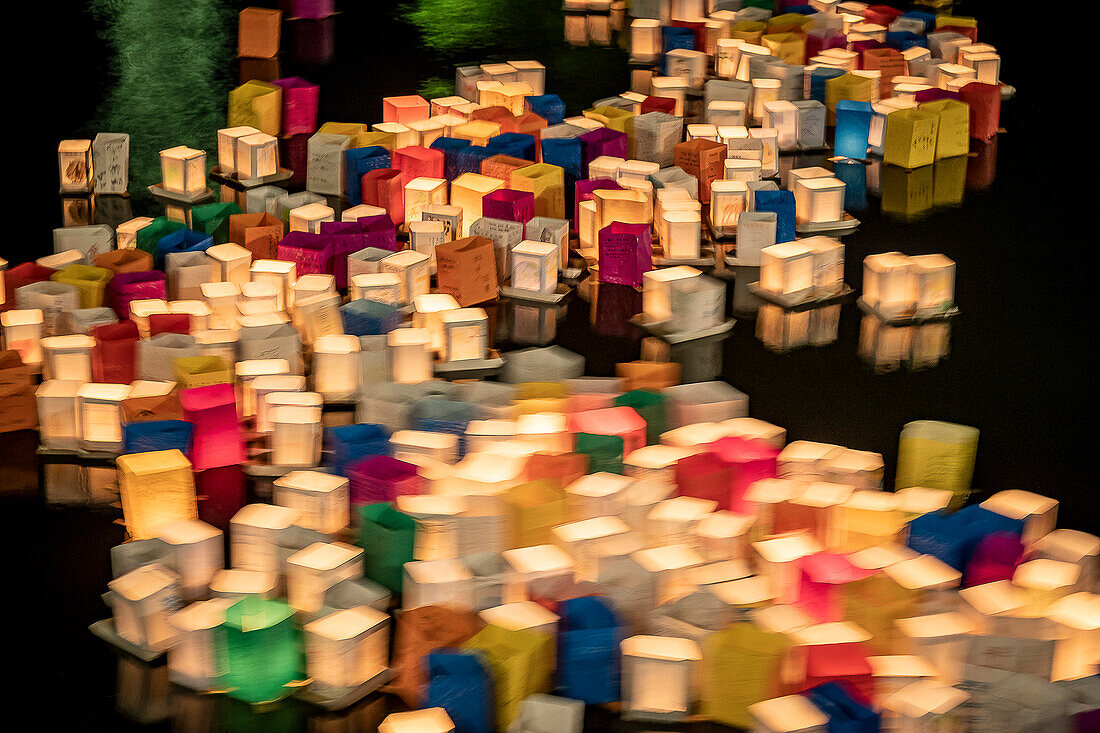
(683, 234)
(347, 649)
(68, 357)
(1044, 582)
(892, 672)
(672, 520)
(582, 539)
(23, 331)
(381, 287)
(282, 274)
(254, 533)
(336, 367)
(312, 571)
(443, 582)
(530, 571)
(787, 269)
(156, 488)
(655, 462)
(442, 447)
(818, 200)
(660, 288)
(295, 435)
(234, 584)
(191, 658)
(58, 426)
(74, 161)
(658, 674)
(428, 720)
(465, 334)
(247, 372)
(1038, 513)
(196, 552)
(272, 390)
(722, 535)
(779, 559)
(257, 155)
(535, 266)
(596, 495)
(935, 276)
(890, 284)
(141, 602)
(941, 638)
(1076, 619)
(933, 579)
(421, 192)
(1068, 545)
(228, 151)
(789, 714)
(924, 705)
(183, 170)
(308, 218)
(321, 499)
(428, 315)
(550, 430)
(413, 270)
(669, 569)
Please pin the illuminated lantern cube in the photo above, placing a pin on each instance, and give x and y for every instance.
(669, 569)
(335, 367)
(254, 537)
(535, 266)
(67, 357)
(910, 140)
(790, 714)
(805, 460)
(622, 421)
(581, 539)
(23, 331)
(531, 571)
(924, 705)
(228, 150)
(655, 463)
(1044, 582)
(191, 658)
(308, 218)
(819, 200)
(428, 720)
(156, 488)
(444, 582)
(1076, 621)
(596, 495)
(312, 571)
(405, 109)
(183, 170)
(295, 435)
(410, 355)
(320, 498)
(780, 559)
(141, 601)
(1067, 545)
(58, 426)
(346, 650)
(465, 334)
(753, 429)
(787, 270)
(1038, 513)
(658, 674)
(551, 430)
(834, 652)
(895, 671)
(941, 638)
(722, 535)
(74, 161)
(890, 284)
(235, 584)
(257, 156)
(933, 581)
(853, 125)
(422, 192)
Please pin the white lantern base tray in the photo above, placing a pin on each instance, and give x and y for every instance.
(312, 696)
(160, 192)
(804, 300)
(105, 630)
(907, 319)
(232, 179)
(466, 367)
(560, 293)
(656, 328)
(846, 224)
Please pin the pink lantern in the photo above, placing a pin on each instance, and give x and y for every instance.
(749, 461)
(416, 161)
(508, 204)
(822, 573)
(381, 478)
(624, 422)
(216, 439)
(300, 99)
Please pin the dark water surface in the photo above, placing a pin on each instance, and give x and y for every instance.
(1018, 363)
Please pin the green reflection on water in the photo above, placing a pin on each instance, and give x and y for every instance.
(467, 32)
(173, 66)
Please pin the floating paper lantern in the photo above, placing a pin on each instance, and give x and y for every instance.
(141, 601)
(669, 569)
(581, 539)
(444, 582)
(321, 499)
(67, 357)
(196, 551)
(790, 714)
(156, 488)
(260, 649)
(58, 426)
(315, 569)
(428, 720)
(183, 170)
(658, 674)
(1044, 582)
(531, 570)
(346, 650)
(596, 495)
(465, 334)
(254, 534)
(672, 520)
(924, 704)
(941, 638)
(191, 658)
(787, 270)
(779, 558)
(335, 367)
(295, 435)
(890, 284)
(1068, 545)
(74, 161)
(535, 266)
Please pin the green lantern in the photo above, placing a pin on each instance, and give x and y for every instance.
(213, 219)
(260, 650)
(387, 537)
(651, 406)
(148, 236)
(605, 452)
